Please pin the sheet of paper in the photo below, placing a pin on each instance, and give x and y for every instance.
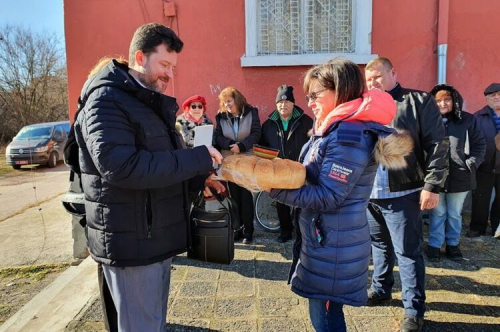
(203, 135)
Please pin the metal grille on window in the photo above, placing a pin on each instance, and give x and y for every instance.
(305, 26)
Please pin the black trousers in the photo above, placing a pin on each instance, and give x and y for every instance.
(109, 313)
(481, 198)
(244, 199)
(285, 218)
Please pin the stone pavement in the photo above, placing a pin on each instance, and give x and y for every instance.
(251, 294)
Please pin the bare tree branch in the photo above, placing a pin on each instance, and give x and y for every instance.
(33, 80)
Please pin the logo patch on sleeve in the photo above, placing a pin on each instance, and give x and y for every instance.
(340, 173)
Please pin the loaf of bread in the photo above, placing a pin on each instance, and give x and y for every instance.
(257, 174)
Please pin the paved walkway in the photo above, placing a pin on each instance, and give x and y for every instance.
(251, 294)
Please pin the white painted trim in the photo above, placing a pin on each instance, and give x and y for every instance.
(302, 59)
(362, 25)
(251, 27)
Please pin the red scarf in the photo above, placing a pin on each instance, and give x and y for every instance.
(375, 106)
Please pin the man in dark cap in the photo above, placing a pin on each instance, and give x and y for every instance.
(488, 174)
(286, 130)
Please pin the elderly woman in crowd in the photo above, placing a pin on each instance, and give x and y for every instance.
(194, 115)
(467, 148)
(331, 257)
(238, 129)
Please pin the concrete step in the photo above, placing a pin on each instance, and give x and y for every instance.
(59, 303)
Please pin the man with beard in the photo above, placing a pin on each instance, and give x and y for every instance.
(135, 176)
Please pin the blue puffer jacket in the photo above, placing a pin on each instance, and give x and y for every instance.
(335, 245)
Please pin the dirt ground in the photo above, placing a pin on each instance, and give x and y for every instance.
(35, 234)
(19, 285)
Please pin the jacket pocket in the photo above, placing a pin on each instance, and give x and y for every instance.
(316, 231)
(141, 215)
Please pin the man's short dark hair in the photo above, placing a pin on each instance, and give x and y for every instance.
(379, 61)
(148, 36)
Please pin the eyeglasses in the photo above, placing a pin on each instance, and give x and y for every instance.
(193, 106)
(314, 95)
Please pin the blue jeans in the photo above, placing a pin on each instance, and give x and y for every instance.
(327, 320)
(445, 220)
(396, 231)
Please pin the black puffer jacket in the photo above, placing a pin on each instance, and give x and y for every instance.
(467, 144)
(133, 173)
(273, 134)
(491, 163)
(428, 163)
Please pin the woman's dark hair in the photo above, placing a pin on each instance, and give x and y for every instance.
(342, 76)
(148, 36)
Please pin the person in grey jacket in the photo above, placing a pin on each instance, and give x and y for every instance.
(135, 176)
(238, 129)
(467, 148)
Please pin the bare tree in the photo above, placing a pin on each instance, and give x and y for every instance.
(33, 80)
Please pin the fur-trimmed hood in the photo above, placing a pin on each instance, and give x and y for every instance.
(392, 149)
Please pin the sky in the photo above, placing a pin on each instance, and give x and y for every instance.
(44, 16)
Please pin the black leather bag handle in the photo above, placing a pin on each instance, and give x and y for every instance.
(231, 206)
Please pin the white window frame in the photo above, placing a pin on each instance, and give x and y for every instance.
(362, 26)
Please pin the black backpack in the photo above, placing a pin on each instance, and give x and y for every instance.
(74, 200)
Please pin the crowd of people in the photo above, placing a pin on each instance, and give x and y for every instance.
(377, 155)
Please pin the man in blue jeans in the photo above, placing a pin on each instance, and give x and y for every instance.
(398, 197)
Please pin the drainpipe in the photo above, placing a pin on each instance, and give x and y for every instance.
(443, 18)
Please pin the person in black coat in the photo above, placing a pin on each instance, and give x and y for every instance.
(467, 148)
(238, 129)
(136, 176)
(488, 174)
(286, 130)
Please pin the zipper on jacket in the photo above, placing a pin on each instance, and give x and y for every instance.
(281, 132)
(149, 213)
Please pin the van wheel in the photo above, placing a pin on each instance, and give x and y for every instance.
(52, 160)
(16, 166)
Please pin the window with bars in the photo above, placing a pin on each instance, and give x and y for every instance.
(303, 32)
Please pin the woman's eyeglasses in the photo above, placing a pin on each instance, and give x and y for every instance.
(193, 107)
(314, 95)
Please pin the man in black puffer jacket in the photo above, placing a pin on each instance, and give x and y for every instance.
(135, 176)
(286, 130)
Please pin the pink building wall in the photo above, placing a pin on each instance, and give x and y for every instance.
(214, 35)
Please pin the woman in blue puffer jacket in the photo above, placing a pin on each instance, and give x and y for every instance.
(349, 138)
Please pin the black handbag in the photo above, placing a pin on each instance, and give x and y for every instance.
(212, 232)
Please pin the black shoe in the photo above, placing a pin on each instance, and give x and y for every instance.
(377, 299)
(412, 324)
(284, 237)
(248, 239)
(433, 254)
(472, 233)
(238, 235)
(454, 253)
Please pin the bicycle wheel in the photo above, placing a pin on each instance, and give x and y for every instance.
(265, 212)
